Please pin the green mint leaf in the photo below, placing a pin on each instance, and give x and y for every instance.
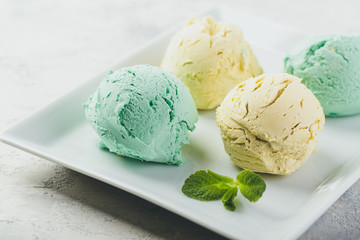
(207, 186)
(251, 185)
(228, 199)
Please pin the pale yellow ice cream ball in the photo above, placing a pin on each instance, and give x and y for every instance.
(269, 123)
(210, 59)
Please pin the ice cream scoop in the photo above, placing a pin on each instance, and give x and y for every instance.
(142, 112)
(330, 67)
(210, 59)
(269, 123)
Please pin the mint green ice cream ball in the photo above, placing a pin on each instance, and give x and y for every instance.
(142, 112)
(330, 67)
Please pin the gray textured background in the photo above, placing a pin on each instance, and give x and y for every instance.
(47, 47)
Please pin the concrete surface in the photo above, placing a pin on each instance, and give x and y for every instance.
(47, 47)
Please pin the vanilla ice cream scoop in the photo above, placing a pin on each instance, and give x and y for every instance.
(210, 59)
(269, 123)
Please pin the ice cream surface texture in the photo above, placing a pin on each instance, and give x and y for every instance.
(330, 67)
(142, 112)
(210, 59)
(269, 123)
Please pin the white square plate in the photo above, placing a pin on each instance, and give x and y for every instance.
(60, 133)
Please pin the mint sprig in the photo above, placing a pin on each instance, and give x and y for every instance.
(209, 186)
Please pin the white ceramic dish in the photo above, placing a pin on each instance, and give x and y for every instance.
(60, 133)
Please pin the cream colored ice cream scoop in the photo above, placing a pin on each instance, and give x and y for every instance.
(210, 59)
(269, 123)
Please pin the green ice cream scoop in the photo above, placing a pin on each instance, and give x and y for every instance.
(330, 67)
(142, 112)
